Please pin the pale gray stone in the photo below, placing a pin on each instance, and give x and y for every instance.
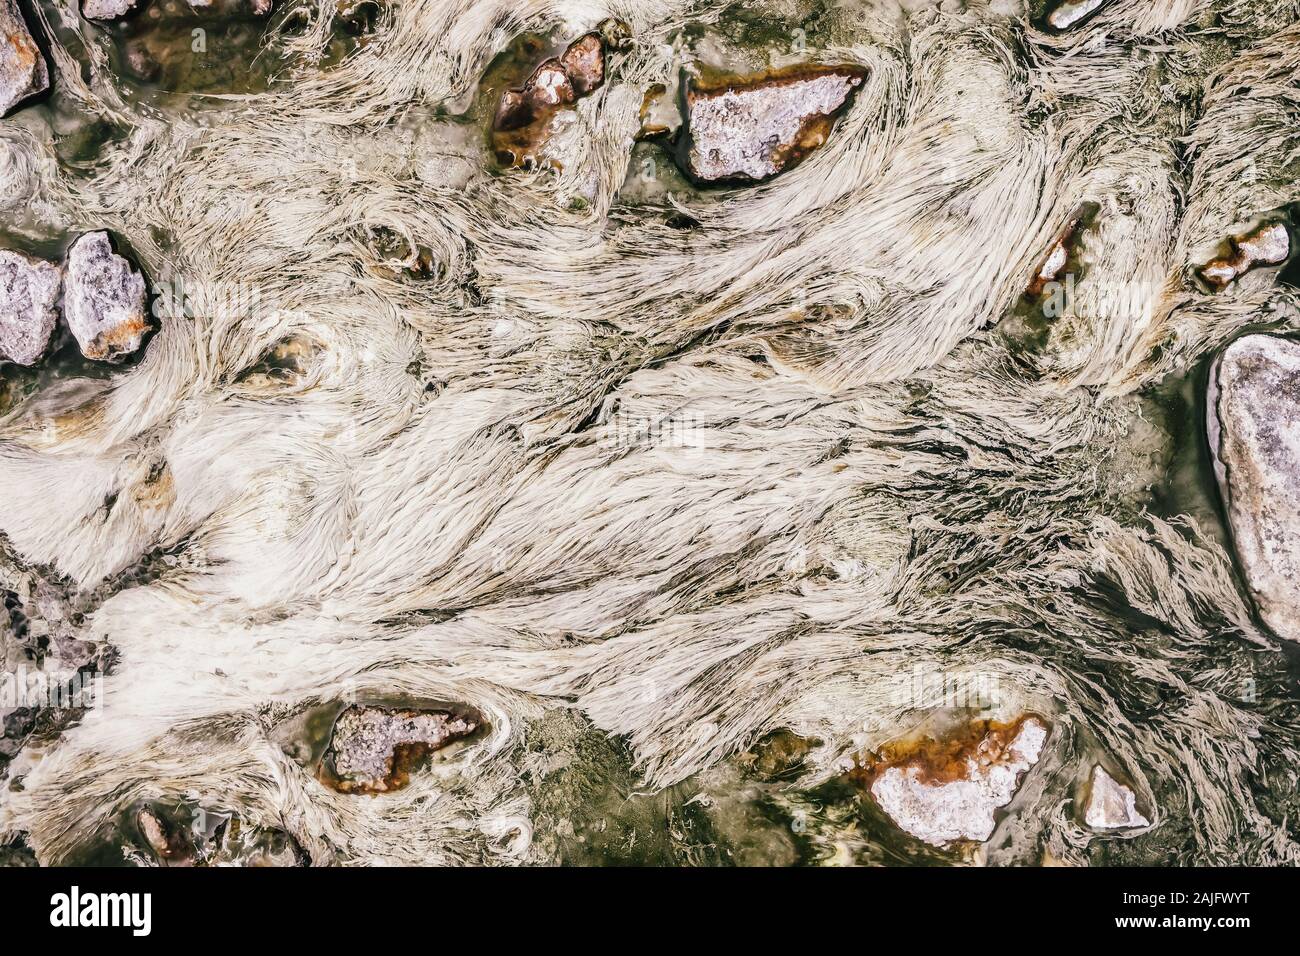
(103, 299)
(941, 812)
(23, 72)
(29, 295)
(1111, 805)
(752, 130)
(1254, 432)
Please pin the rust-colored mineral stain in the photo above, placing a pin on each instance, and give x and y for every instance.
(711, 81)
(943, 760)
(118, 340)
(24, 49)
(813, 133)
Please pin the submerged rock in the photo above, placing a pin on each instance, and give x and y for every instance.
(358, 17)
(166, 842)
(141, 63)
(17, 854)
(777, 755)
(103, 299)
(1253, 418)
(239, 844)
(951, 790)
(1269, 245)
(375, 749)
(179, 47)
(193, 836)
(1111, 805)
(523, 121)
(753, 128)
(29, 293)
(23, 72)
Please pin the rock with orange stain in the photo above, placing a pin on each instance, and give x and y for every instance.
(103, 300)
(23, 73)
(751, 128)
(375, 749)
(658, 114)
(523, 121)
(584, 63)
(184, 836)
(951, 790)
(1058, 256)
(169, 845)
(29, 292)
(1269, 245)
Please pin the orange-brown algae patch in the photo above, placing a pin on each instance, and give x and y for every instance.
(947, 789)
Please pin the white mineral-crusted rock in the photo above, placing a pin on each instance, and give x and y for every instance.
(103, 299)
(23, 72)
(752, 129)
(372, 748)
(1254, 430)
(106, 9)
(1072, 13)
(958, 801)
(1111, 805)
(29, 294)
